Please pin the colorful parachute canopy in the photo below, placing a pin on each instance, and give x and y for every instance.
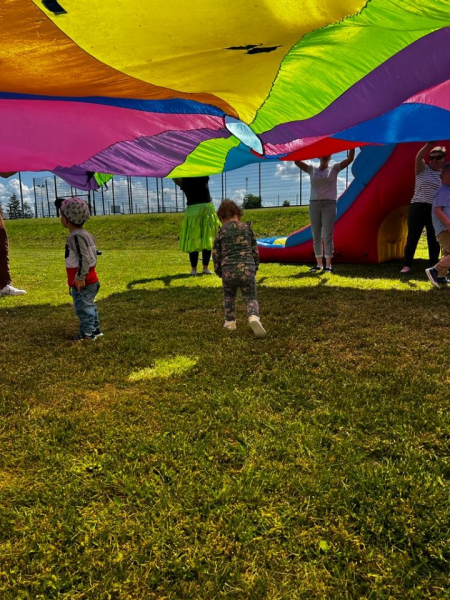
(175, 88)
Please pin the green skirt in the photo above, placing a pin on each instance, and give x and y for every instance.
(199, 228)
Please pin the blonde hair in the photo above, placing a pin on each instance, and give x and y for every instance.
(441, 149)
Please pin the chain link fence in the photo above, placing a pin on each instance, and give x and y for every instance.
(277, 183)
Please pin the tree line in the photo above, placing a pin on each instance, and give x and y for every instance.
(14, 209)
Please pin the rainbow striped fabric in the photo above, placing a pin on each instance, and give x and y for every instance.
(174, 88)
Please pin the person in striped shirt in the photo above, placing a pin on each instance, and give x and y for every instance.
(419, 216)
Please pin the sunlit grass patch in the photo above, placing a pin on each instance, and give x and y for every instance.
(165, 368)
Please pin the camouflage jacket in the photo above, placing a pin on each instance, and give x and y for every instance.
(235, 248)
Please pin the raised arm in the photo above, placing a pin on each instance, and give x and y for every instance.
(302, 165)
(420, 157)
(347, 161)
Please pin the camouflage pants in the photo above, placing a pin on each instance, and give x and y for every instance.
(231, 281)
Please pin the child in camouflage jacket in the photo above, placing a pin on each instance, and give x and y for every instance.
(236, 260)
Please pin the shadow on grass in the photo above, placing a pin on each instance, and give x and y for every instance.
(166, 279)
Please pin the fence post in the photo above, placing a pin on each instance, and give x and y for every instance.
(103, 199)
(146, 187)
(35, 199)
(301, 187)
(157, 194)
(21, 193)
(259, 181)
(48, 201)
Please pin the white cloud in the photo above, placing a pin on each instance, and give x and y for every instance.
(11, 187)
(287, 170)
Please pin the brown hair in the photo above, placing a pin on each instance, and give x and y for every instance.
(229, 209)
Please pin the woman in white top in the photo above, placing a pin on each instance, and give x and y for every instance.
(419, 216)
(322, 206)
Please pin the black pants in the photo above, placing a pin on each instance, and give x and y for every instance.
(419, 216)
(5, 275)
(206, 256)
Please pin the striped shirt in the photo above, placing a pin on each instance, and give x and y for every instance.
(427, 182)
(81, 257)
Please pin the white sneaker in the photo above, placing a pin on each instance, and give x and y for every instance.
(230, 325)
(193, 272)
(10, 290)
(405, 270)
(206, 271)
(255, 325)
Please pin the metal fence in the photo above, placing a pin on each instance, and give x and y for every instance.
(277, 183)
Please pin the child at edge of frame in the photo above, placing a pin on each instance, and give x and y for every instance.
(81, 260)
(236, 261)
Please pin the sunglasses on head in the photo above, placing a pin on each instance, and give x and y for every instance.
(437, 157)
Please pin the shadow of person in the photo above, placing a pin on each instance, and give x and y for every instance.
(167, 280)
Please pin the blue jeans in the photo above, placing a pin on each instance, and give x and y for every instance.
(84, 307)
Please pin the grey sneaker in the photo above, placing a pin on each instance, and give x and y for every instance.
(10, 290)
(255, 325)
(83, 337)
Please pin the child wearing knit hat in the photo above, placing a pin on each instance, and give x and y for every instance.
(81, 259)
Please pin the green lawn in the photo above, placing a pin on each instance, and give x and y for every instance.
(172, 459)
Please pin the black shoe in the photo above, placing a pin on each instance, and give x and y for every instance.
(442, 281)
(328, 269)
(316, 269)
(97, 332)
(83, 337)
(434, 279)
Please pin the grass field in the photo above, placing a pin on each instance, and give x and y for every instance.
(172, 459)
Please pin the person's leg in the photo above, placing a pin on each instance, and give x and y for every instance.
(193, 257)
(315, 217)
(248, 288)
(85, 309)
(206, 257)
(5, 274)
(433, 244)
(229, 296)
(442, 266)
(416, 223)
(443, 263)
(329, 209)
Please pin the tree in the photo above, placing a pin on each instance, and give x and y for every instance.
(251, 201)
(286, 203)
(13, 207)
(27, 211)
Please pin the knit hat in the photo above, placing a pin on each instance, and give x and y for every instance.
(76, 210)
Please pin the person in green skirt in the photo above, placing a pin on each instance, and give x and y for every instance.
(200, 223)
